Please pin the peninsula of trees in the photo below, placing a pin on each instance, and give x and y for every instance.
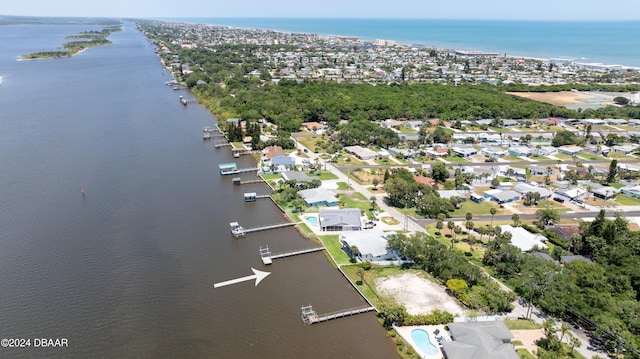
(79, 42)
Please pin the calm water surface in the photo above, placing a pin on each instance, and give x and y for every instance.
(128, 270)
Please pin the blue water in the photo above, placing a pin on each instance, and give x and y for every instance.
(313, 221)
(610, 42)
(422, 341)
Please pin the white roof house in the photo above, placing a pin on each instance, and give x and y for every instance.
(524, 239)
(372, 244)
(361, 152)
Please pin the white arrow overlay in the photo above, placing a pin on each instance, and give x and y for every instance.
(258, 276)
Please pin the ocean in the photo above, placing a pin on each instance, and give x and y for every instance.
(586, 42)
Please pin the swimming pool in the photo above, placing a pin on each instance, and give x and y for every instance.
(423, 342)
(313, 221)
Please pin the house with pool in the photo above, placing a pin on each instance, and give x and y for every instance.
(345, 219)
(372, 245)
(479, 340)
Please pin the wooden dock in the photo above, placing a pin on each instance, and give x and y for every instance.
(238, 181)
(184, 101)
(239, 170)
(267, 257)
(309, 316)
(237, 230)
(252, 196)
(218, 145)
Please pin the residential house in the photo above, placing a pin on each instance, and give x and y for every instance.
(297, 176)
(572, 193)
(313, 126)
(464, 152)
(346, 219)
(569, 259)
(523, 239)
(604, 192)
(499, 196)
(494, 152)
(631, 191)
(489, 137)
(546, 150)
(570, 150)
(361, 152)
(438, 152)
(624, 149)
(390, 123)
(271, 151)
(372, 245)
(415, 124)
(539, 170)
(316, 197)
(281, 163)
(520, 151)
(524, 188)
(479, 340)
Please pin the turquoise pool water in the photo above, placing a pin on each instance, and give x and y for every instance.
(422, 341)
(313, 221)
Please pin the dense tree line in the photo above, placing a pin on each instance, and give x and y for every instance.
(601, 296)
(429, 254)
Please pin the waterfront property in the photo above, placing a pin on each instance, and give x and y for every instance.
(347, 219)
(372, 245)
(315, 197)
(479, 340)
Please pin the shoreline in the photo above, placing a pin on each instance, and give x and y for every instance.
(410, 43)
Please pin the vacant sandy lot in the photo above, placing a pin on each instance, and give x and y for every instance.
(528, 338)
(418, 295)
(555, 98)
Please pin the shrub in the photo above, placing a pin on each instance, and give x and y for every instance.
(365, 265)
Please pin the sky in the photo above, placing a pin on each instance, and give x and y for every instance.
(572, 10)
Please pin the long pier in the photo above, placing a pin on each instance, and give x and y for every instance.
(309, 316)
(267, 257)
(218, 145)
(239, 170)
(237, 230)
(238, 181)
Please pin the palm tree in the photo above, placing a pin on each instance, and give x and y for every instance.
(493, 212)
(564, 329)
(574, 342)
(374, 203)
(451, 226)
(548, 326)
(468, 216)
(516, 219)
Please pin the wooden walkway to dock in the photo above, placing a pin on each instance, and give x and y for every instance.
(239, 170)
(238, 181)
(267, 257)
(309, 316)
(238, 230)
(218, 145)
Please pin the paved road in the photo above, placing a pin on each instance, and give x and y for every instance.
(520, 305)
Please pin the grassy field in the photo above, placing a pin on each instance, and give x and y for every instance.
(309, 142)
(478, 209)
(521, 324)
(456, 159)
(625, 200)
(323, 176)
(364, 206)
(333, 245)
